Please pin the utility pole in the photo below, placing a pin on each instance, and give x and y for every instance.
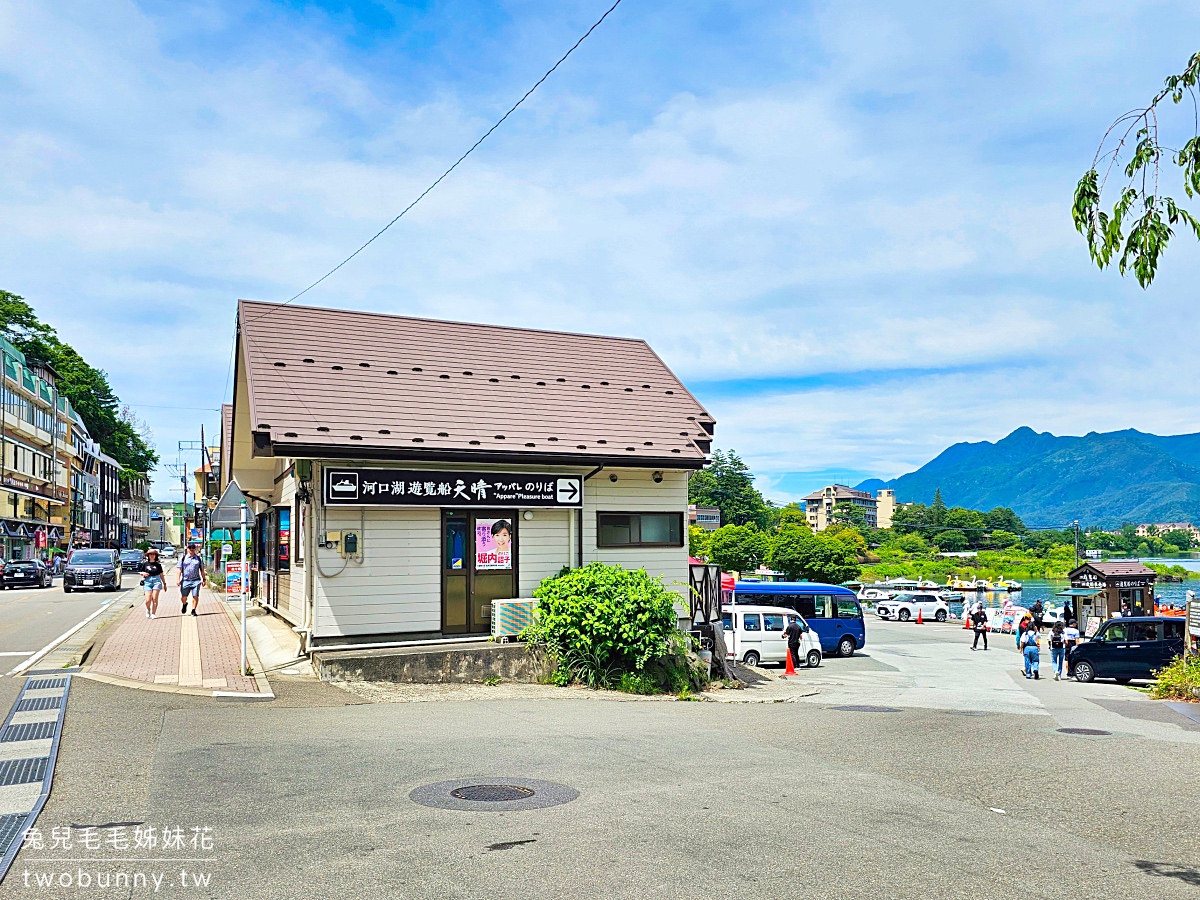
(1076, 543)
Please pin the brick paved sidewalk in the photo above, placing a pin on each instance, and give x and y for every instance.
(201, 651)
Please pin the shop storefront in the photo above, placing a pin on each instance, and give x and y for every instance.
(410, 473)
(1101, 590)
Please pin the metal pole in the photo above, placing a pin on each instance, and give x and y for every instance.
(242, 584)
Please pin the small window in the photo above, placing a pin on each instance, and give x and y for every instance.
(751, 622)
(848, 609)
(727, 621)
(1143, 631)
(757, 599)
(805, 604)
(1173, 629)
(772, 622)
(639, 529)
(822, 607)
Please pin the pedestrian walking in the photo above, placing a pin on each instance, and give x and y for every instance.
(792, 633)
(1021, 628)
(1070, 636)
(1038, 611)
(1031, 650)
(979, 623)
(191, 575)
(152, 582)
(1058, 649)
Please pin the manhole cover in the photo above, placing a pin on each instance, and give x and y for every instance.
(1096, 732)
(492, 793)
(887, 709)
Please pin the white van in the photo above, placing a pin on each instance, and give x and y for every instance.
(754, 635)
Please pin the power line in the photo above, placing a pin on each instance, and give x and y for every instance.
(470, 150)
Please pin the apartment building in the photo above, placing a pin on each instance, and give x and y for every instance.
(819, 506)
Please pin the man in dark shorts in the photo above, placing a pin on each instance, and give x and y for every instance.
(191, 576)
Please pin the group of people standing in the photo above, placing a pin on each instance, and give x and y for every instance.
(1063, 636)
(190, 577)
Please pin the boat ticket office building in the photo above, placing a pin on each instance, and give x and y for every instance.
(403, 473)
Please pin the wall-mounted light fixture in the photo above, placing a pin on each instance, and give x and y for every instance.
(658, 477)
(527, 515)
(612, 477)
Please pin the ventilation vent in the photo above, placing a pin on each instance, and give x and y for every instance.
(418, 440)
(531, 445)
(552, 439)
(602, 441)
(336, 368)
(499, 437)
(309, 359)
(561, 380)
(447, 377)
(473, 443)
(515, 377)
(581, 446)
(356, 437)
(631, 448)
(289, 434)
(629, 390)
(670, 393)
(393, 372)
(541, 384)
(322, 428)
(494, 380)
(280, 365)
(443, 434)
(417, 369)
(468, 373)
(586, 387)
(364, 365)
(385, 431)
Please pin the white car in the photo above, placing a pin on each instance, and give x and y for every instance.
(167, 552)
(904, 607)
(754, 635)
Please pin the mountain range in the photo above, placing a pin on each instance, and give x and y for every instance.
(1097, 479)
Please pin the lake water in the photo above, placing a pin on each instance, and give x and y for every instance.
(1170, 594)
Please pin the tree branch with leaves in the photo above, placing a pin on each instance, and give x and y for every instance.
(1140, 226)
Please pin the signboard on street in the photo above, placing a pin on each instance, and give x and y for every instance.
(403, 487)
(233, 577)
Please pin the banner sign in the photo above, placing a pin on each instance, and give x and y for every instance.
(493, 544)
(402, 487)
(233, 577)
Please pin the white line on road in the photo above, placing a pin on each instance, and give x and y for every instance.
(16, 653)
(21, 667)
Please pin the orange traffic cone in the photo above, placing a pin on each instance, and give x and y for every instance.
(966, 620)
(920, 621)
(791, 666)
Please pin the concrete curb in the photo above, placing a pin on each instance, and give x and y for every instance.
(118, 681)
(264, 687)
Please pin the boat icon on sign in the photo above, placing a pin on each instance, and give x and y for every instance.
(343, 485)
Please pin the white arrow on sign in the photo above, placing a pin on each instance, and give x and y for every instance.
(568, 490)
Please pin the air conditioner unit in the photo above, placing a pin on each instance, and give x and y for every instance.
(510, 617)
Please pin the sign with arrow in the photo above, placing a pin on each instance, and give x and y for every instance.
(450, 488)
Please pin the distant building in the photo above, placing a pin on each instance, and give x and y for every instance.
(819, 505)
(706, 517)
(1163, 527)
(110, 501)
(167, 523)
(135, 510)
(885, 507)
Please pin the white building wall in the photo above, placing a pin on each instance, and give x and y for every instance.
(396, 588)
(543, 546)
(636, 491)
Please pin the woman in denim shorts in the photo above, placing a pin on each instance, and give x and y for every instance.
(152, 582)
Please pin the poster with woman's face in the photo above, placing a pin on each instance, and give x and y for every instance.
(494, 544)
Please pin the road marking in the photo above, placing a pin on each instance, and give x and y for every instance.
(21, 667)
(16, 652)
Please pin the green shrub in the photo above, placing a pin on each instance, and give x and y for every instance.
(600, 622)
(637, 684)
(1180, 680)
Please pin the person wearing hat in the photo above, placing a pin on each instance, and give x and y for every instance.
(152, 582)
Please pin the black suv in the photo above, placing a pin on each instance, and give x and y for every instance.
(1127, 648)
(92, 570)
(25, 573)
(131, 560)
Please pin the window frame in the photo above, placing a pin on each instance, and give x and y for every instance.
(601, 513)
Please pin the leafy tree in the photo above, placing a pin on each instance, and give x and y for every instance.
(912, 543)
(117, 431)
(800, 554)
(845, 513)
(699, 541)
(1002, 539)
(1001, 517)
(1180, 538)
(951, 541)
(728, 485)
(848, 535)
(793, 514)
(1140, 204)
(738, 548)
(937, 510)
(910, 518)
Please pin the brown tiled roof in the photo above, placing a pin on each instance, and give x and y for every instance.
(841, 492)
(1121, 567)
(339, 383)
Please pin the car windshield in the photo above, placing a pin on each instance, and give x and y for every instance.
(131, 554)
(90, 558)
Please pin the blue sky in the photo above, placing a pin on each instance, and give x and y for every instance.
(845, 225)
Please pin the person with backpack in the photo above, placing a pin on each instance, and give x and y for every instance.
(1031, 650)
(1058, 649)
(191, 576)
(979, 623)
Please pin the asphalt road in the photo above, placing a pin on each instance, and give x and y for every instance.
(308, 796)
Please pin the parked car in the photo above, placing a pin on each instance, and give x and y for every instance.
(168, 551)
(754, 635)
(92, 570)
(25, 573)
(1127, 648)
(904, 607)
(131, 560)
(831, 611)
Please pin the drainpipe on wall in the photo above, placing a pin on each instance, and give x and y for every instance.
(579, 518)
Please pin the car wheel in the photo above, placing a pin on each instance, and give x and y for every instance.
(813, 659)
(941, 615)
(1084, 672)
(846, 647)
(66, 590)
(751, 658)
(904, 615)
